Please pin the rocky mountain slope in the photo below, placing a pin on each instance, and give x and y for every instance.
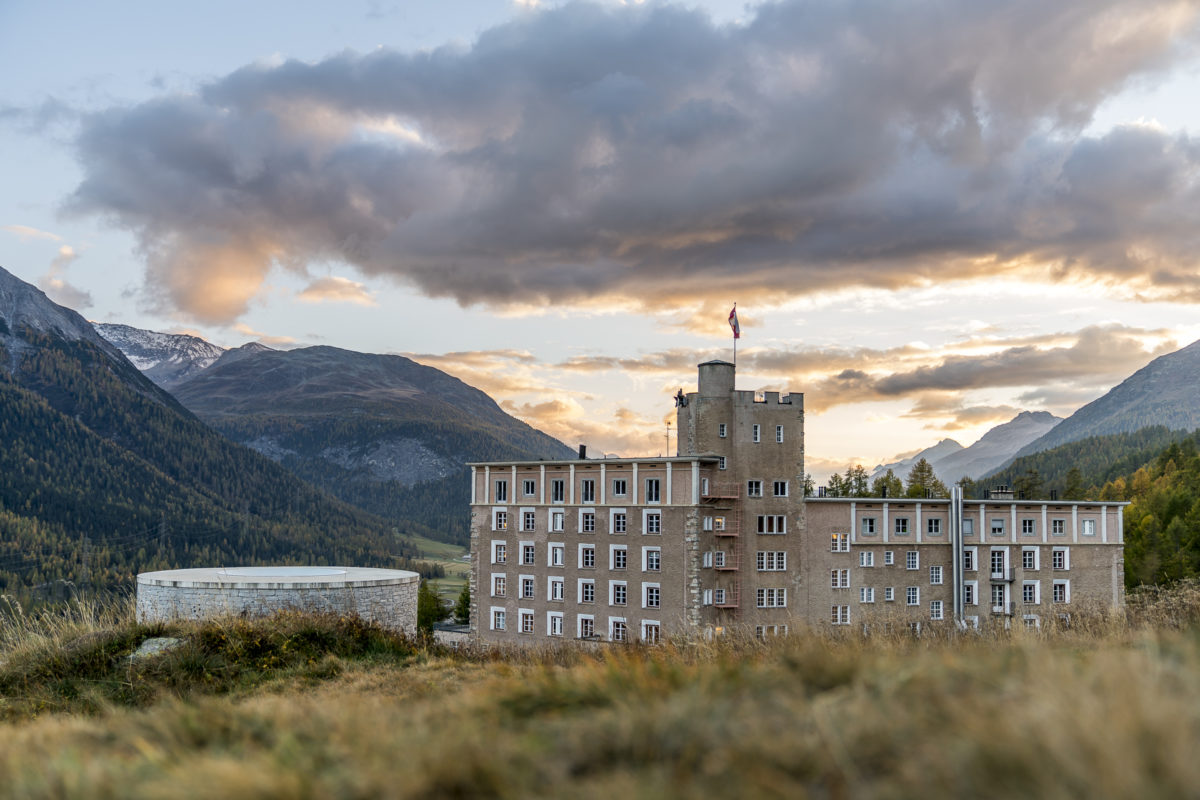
(996, 447)
(934, 455)
(165, 358)
(1161, 393)
(380, 431)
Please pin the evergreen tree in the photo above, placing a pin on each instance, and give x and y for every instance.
(857, 482)
(462, 609)
(1029, 485)
(922, 482)
(967, 485)
(429, 608)
(887, 485)
(1074, 487)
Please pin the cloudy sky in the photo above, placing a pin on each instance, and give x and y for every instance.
(931, 214)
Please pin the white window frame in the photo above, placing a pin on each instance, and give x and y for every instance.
(499, 579)
(579, 626)
(557, 521)
(900, 528)
(616, 624)
(1066, 584)
(889, 558)
(1037, 558)
(996, 528)
(646, 551)
(778, 434)
(613, 549)
(653, 491)
(583, 548)
(620, 487)
(497, 545)
(772, 524)
(1028, 526)
(612, 592)
(587, 490)
(528, 590)
(935, 574)
(756, 433)
(529, 487)
(646, 587)
(579, 586)
(866, 558)
(933, 526)
(1058, 527)
(528, 519)
(559, 549)
(868, 526)
(889, 594)
(651, 631)
(973, 588)
(839, 615)
(1037, 593)
(776, 485)
(556, 583)
(647, 515)
(1066, 558)
(770, 561)
(722, 430)
(971, 559)
(866, 594)
(558, 490)
(501, 490)
(554, 623)
(499, 519)
(912, 559)
(935, 610)
(525, 560)
(498, 619)
(587, 516)
(720, 462)
(771, 597)
(618, 522)
(754, 487)
(527, 626)
(707, 559)
(839, 543)
(912, 596)
(1087, 527)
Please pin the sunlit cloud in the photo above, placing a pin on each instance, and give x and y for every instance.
(264, 338)
(25, 233)
(649, 159)
(56, 286)
(336, 290)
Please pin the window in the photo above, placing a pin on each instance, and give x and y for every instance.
(708, 559)
(935, 609)
(779, 434)
(771, 560)
(620, 487)
(1058, 527)
(754, 488)
(999, 559)
(651, 595)
(618, 522)
(998, 526)
(587, 490)
(1060, 558)
(554, 623)
(653, 490)
(912, 560)
(866, 594)
(1027, 527)
(756, 433)
(839, 579)
(618, 557)
(617, 632)
(968, 527)
(528, 520)
(527, 588)
(1061, 591)
(764, 631)
(969, 559)
(617, 593)
(912, 595)
(501, 491)
(868, 526)
(1029, 559)
(654, 523)
(720, 462)
(651, 559)
(889, 594)
(498, 619)
(901, 526)
(772, 523)
(587, 628)
(866, 558)
(528, 553)
(587, 557)
(969, 593)
(704, 487)
(840, 543)
(499, 583)
(1087, 527)
(558, 491)
(935, 576)
(1029, 593)
(889, 558)
(529, 488)
(719, 559)
(998, 592)
(722, 430)
(526, 622)
(839, 615)
(933, 527)
(772, 598)
(557, 591)
(719, 597)
(651, 632)
(557, 558)
(781, 488)
(500, 521)
(556, 521)
(499, 552)
(587, 591)
(588, 523)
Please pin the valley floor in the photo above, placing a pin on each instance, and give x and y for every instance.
(297, 707)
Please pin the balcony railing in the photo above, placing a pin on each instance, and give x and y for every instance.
(731, 526)
(721, 491)
(1002, 609)
(732, 595)
(1002, 575)
(732, 563)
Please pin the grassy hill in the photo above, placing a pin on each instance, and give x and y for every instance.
(322, 708)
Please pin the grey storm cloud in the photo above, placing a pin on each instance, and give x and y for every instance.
(637, 152)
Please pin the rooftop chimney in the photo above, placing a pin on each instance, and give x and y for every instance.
(582, 451)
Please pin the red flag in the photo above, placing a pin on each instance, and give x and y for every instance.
(733, 323)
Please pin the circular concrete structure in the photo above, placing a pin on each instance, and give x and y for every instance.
(386, 596)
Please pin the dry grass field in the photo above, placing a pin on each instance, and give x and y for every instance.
(314, 707)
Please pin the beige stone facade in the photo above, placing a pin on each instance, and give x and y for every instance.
(719, 537)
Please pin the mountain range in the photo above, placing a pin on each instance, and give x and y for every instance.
(103, 474)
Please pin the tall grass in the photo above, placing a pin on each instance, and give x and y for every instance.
(1107, 707)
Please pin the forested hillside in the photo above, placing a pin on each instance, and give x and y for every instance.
(102, 476)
